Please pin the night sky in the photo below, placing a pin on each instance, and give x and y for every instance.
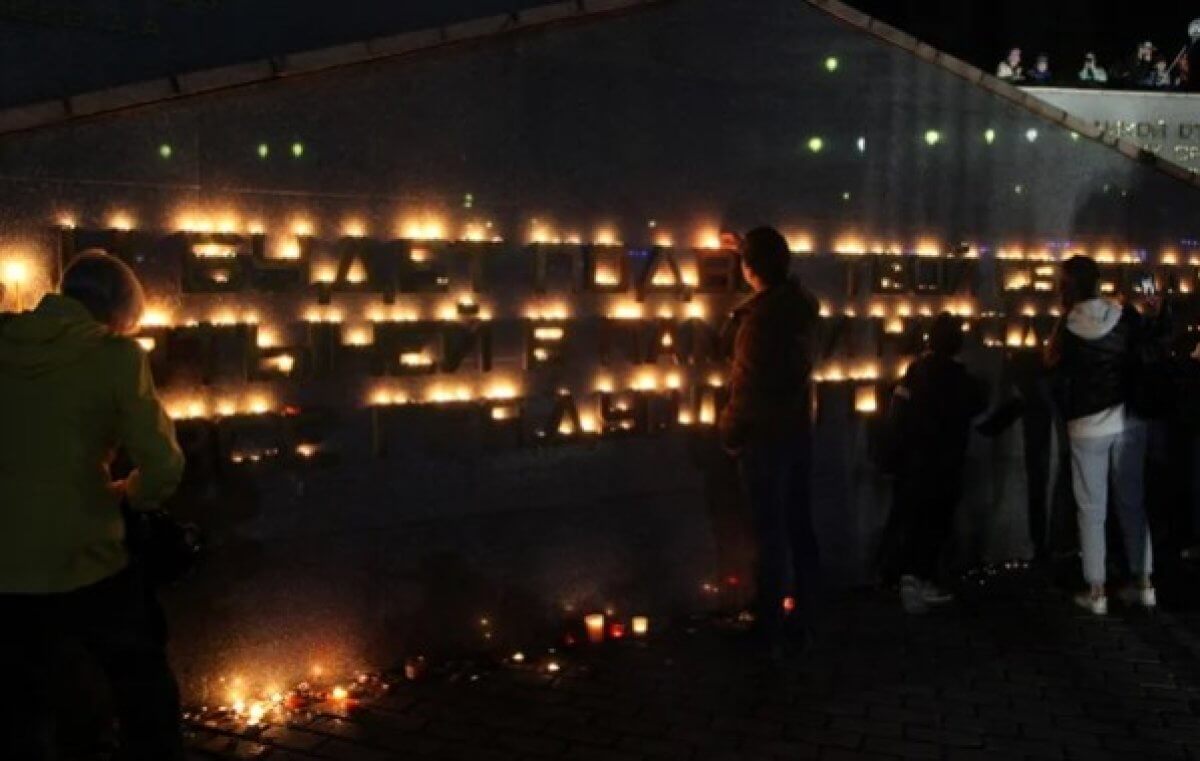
(53, 48)
(982, 32)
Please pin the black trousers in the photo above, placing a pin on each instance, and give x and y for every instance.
(776, 476)
(120, 624)
(925, 501)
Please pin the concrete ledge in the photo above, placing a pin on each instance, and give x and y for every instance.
(399, 44)
(225, 76)
(122, 97)
(959, 67)
(483, 27)
(1082, 126)
(324, 58)
(846, 13)
(607, 6)
(893, 35)
(33, 115)
(544, 14)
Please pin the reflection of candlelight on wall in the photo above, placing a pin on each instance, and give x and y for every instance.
(283, 363)
(664, 277)
(849, 244)
(501, 390)
(894, 326)
(928, 247)
(288, 248)
(121, 221)
(302, 227)
(800, 243)
(214, 250)
(428, 229)
(318, 314)
(646, 380)
(566, 427)
(708, 410)
(866, 400)
(1015, 336)
(708, 239)
(548, 334)
(627, 310)
(595, 627)
(67, 221)
(354, 228)
(325, 272)
(640, 626)
(606, 274)
(605, 236)
(674, 382)
(357, 273)
(416, 359)
(267, 338)
(359, 335)
(604, 385)
(1018, 281)
(306, 451)
(15, 274)
(156, 317)
(685, 417)
(419, 255)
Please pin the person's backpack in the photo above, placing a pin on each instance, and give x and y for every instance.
(165, 549)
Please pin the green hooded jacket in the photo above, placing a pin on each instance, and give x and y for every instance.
(71, 394)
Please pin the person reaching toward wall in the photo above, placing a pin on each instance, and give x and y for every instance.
(75, 388)
(1094, 353)
(931, 413)
(766, 424)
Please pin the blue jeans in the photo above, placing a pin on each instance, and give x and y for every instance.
(776, 475)
(1117, 462)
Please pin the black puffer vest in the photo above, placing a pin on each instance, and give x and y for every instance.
(1098, 373)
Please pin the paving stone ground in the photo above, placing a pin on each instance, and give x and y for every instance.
(1004, 674)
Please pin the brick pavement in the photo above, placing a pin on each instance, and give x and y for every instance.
(1002, 675)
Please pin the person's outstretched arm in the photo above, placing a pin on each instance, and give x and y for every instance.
(146, 432)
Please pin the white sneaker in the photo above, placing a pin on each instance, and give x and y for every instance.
(1138, 595)
(934, 595)
(912, 595)
(1096, 605)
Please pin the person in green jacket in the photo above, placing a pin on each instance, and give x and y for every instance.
(74, 389)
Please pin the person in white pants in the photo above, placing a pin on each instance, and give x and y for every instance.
(1094, 353)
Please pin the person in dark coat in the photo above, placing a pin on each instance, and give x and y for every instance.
(766, 424)
(932, 409)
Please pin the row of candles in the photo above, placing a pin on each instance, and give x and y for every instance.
(435, 227)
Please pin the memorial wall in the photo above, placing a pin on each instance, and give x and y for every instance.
(442, 332)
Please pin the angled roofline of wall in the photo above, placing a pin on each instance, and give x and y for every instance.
(74, 107)
(1001, 89)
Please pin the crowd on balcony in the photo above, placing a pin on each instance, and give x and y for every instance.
(1148, 68)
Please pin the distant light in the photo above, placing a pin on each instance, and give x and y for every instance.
(468, 200)
(862, 145)
(846, 196)
(932, 137)
(263, 150)
(989, 136)
(1018, 189)
(815, 144)
(831, 64)
(1074, 135)
(164, 150)
(1031, 134)
(297, 149)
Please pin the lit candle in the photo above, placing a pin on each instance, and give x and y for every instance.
(640, 626)
(595, 627)
(865, 400)
(616, 630)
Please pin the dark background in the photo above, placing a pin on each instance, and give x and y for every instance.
(53, 48)
(983, 32)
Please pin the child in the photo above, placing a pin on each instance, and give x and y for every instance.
(932, 411)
